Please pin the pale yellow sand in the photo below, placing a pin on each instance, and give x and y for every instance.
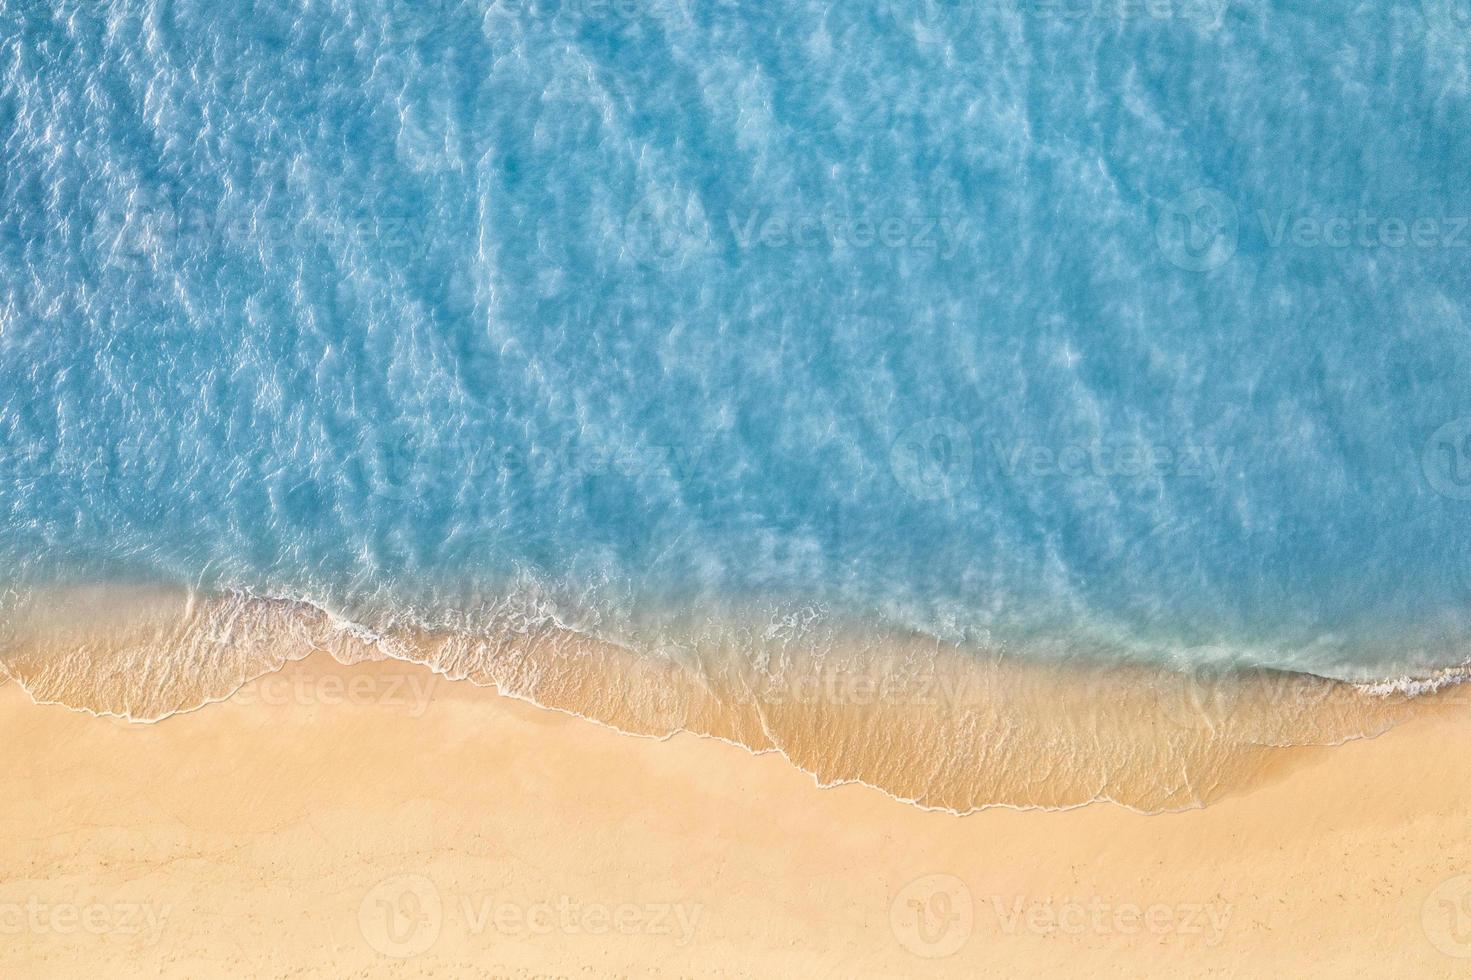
(375, 821)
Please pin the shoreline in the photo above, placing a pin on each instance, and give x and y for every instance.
(1437, 699)
(337, 818)
(929, 725)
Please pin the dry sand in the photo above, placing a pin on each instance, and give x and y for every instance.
(377, 821)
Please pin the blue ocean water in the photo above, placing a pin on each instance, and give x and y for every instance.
(1045, 325)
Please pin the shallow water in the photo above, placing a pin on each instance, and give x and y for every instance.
(1041, 330)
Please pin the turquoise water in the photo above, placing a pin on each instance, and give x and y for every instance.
(1061, 327)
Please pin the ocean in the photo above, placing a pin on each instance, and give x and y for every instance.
(1034, 331)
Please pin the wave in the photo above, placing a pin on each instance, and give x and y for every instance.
(929, 723)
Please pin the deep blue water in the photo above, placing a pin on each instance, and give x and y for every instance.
(1054, 325)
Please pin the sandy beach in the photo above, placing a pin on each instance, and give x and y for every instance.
(664, 490)
(379, 821)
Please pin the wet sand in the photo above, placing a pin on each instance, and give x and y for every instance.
(942, 727)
